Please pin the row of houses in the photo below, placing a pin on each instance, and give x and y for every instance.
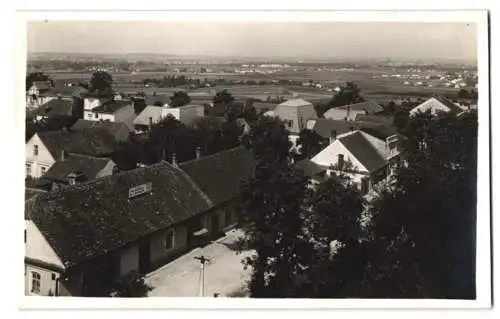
(362, 142)
(85, 232)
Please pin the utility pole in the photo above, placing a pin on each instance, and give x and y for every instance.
(203, 260)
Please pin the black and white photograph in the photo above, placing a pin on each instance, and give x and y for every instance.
(245, 160)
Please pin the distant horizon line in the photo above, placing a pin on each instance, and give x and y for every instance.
(227, 56)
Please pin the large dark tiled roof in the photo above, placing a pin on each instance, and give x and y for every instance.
(363, 150)
(86, 166)
(325, 127)
(369, 106)
(221, 175)
(87, 220)
(118, 129)
(93, 142)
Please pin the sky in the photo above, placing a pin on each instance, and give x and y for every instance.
(394, 40)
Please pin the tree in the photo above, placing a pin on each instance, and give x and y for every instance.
(131, 285)
(36, 76)
(463, 94)
(101, 81)
(348, 94)
(180, 98)
(401, 117)
(271, 215)
(391, 108)
(224, 100)
(310, 144)
(424, 230)
(333, 220)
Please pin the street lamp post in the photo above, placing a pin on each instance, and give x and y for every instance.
(203, 260)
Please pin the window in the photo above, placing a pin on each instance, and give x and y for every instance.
(89, 116)
(341, 161)
(42, 170)
(35, 282)
(53, 276)
(35, 150)
(169, 239)
(28, 169)
(25, 236)
(96, 115)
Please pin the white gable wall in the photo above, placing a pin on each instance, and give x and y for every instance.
(91, 102)
(43, 159)
(431, 104)
(37, 248)
(329, 156)
(107, 170)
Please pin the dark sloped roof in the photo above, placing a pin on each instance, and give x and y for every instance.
(111, 106)
(88, 166)
(379, 131)
(86, 220)
(325, 127)
(309, 168)
(452, 106)
(363, 150)
(221, 175)
(42, 85)
(370, 106)
(53, 108)
(118, 129)
(93, 141)
(377, 119)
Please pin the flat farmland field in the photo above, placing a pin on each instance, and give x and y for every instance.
(375, 88)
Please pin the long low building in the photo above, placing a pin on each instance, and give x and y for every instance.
(81, 238)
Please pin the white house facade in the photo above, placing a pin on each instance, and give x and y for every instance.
(38, 158)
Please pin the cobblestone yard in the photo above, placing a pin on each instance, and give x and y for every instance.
(224, 274)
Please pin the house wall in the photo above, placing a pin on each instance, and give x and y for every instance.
(43, 159)
(175, 112)
(47, 283)
(158, 252)
(91, 102)
(91, 116)
(129, 260)
(329, 156)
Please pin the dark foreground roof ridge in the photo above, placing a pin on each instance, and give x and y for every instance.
(234, 149)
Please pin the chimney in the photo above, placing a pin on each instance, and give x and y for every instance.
(333, 136)
(63, 155)
(174, 160)
(348, 113)
(198, 152)
(59, 96)
(163, 155)
(72, 178)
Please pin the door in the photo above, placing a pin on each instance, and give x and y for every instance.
(215, 231)
(144, 256)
